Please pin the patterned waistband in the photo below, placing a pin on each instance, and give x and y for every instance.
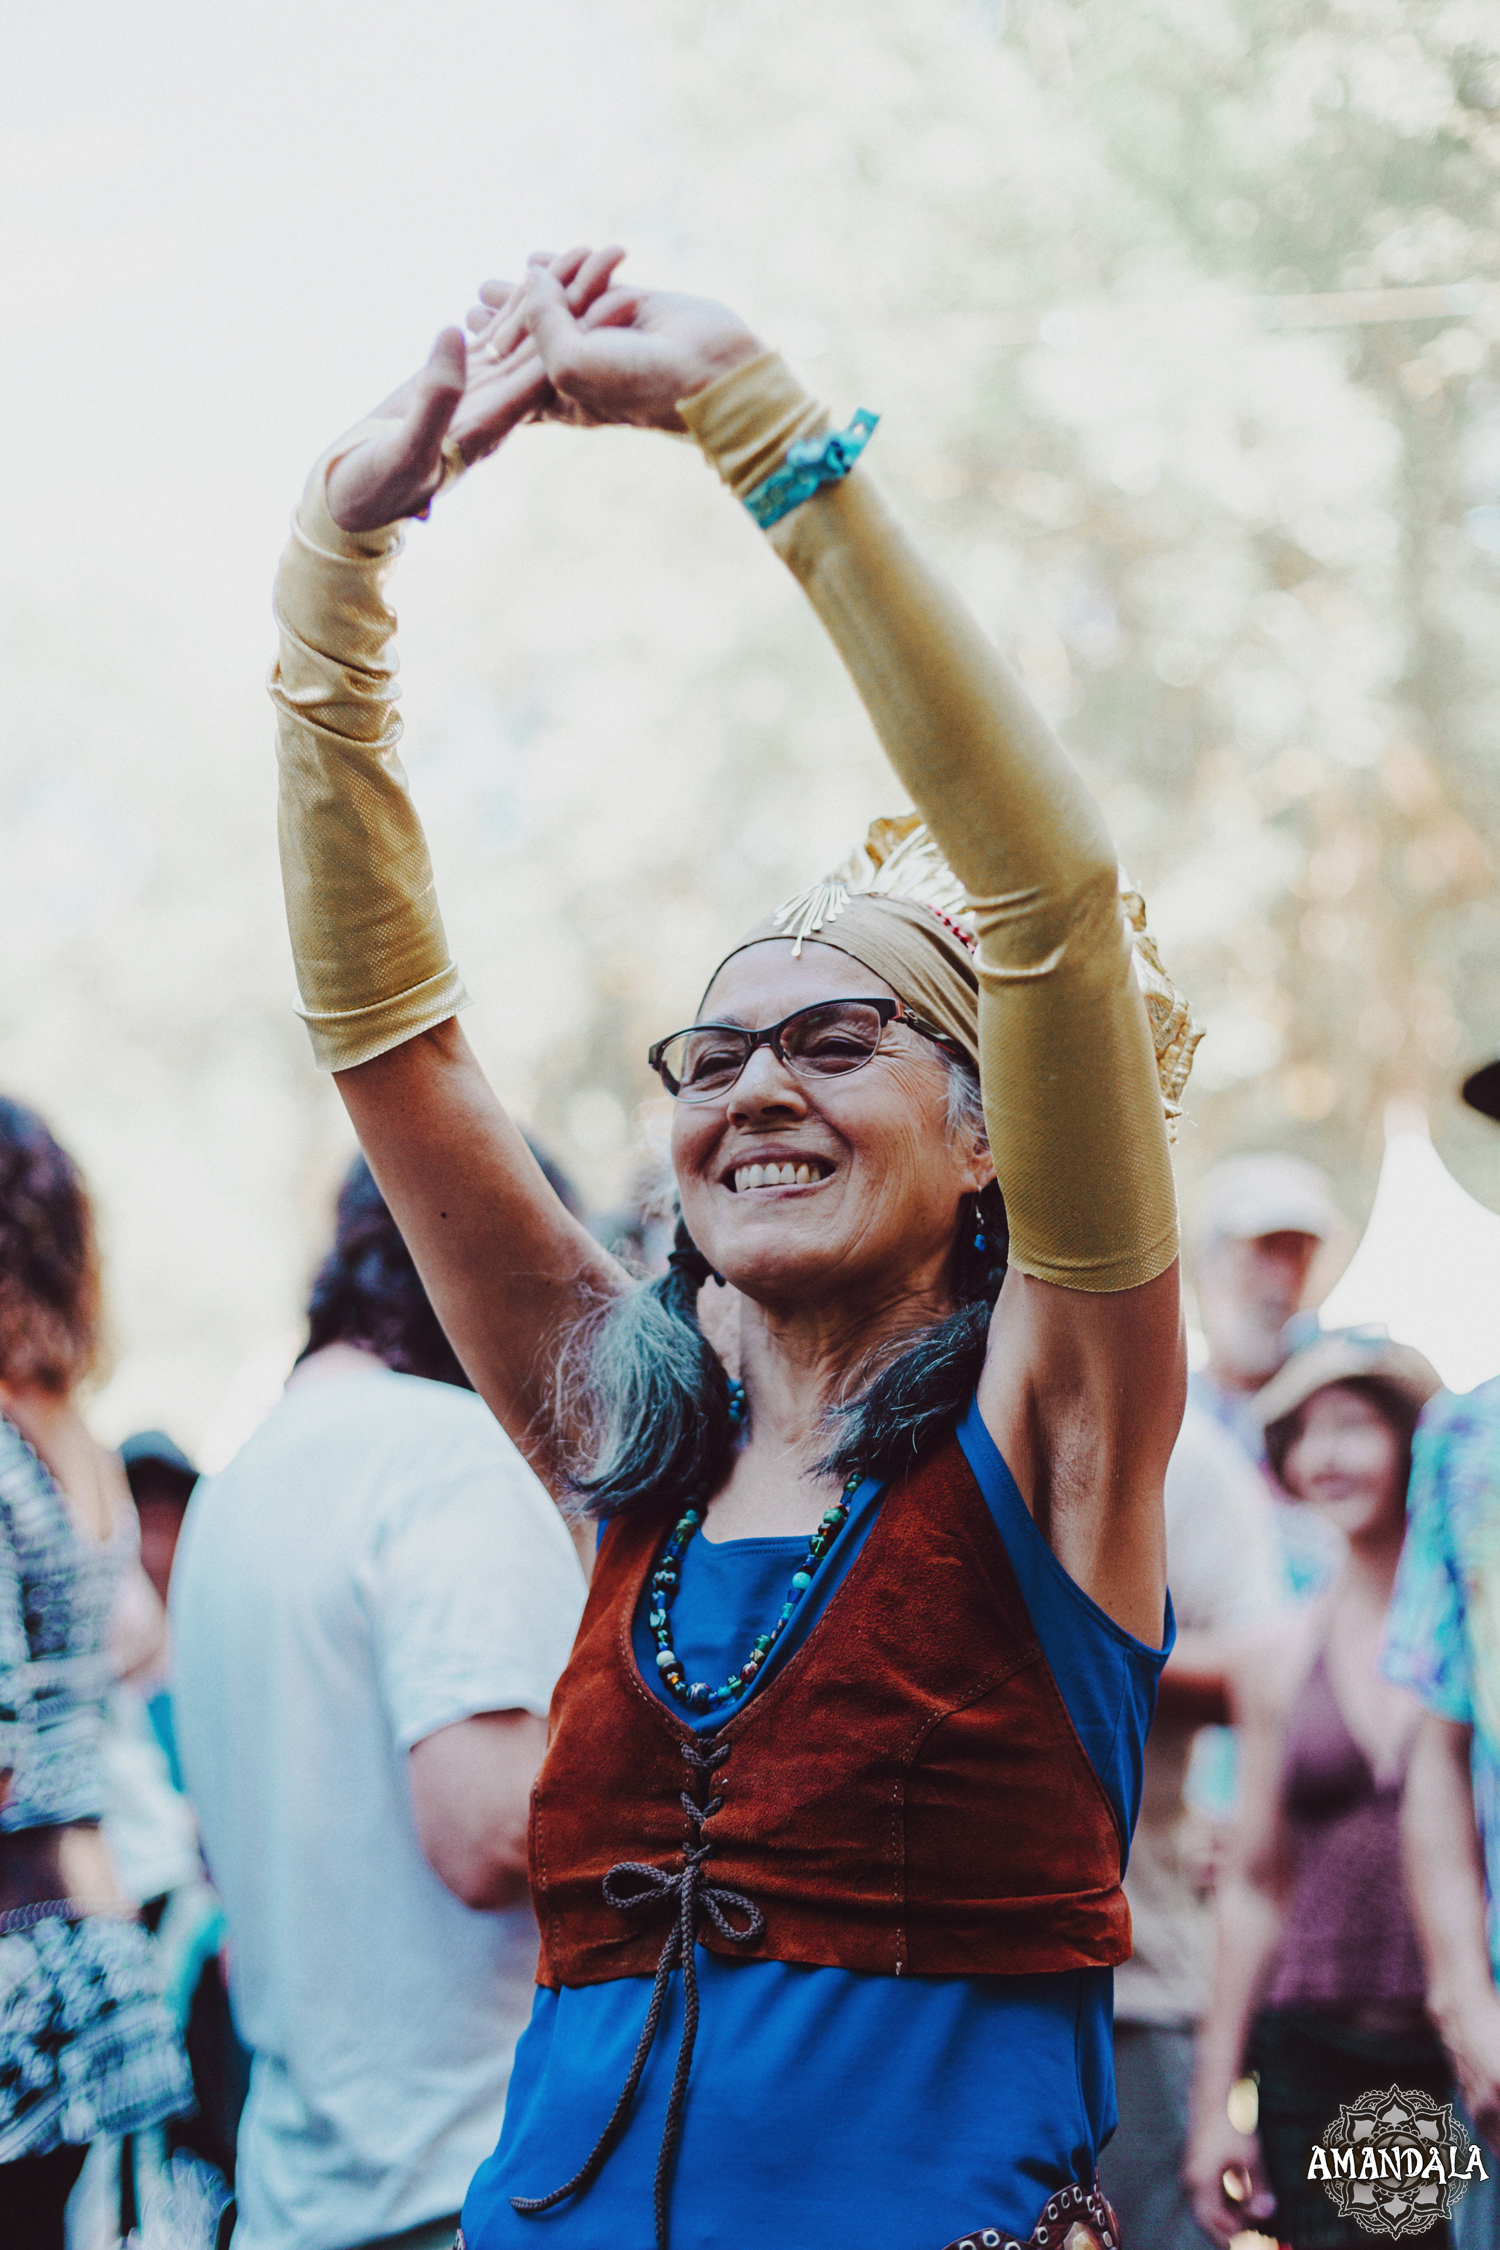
(1075, 2219)
(42, 1910)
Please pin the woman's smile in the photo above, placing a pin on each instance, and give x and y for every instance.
(777, 1170)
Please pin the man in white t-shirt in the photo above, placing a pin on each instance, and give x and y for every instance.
(370, 1607)
(1224, 1571)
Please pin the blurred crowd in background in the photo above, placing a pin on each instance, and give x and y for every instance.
(1182, 325)
(326, 1761)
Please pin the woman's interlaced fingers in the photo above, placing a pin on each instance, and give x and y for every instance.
(631, 1883)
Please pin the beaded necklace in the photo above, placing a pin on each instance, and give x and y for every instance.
(667, 1577)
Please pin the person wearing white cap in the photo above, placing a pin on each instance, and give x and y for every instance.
(1261, 1221)
(1443, 1640)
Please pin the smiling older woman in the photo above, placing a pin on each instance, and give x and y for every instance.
(841, 1777)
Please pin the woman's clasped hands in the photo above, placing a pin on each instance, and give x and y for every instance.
(565, 343)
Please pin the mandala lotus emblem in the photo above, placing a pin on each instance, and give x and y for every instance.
(1395, 2162)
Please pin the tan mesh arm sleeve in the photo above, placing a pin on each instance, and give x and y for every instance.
(1071, 1093)
(373, 966)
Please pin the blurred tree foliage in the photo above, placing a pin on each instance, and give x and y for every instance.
(1180, 316)
(1180, 313)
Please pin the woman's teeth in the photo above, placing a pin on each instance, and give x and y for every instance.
(774, 1175)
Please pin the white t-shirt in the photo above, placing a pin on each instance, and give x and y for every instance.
(377, 1562)
(1224, 1571)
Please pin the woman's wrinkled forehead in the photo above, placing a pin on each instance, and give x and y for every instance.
(760, 982)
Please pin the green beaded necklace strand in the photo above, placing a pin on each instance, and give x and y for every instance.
(667, 1577)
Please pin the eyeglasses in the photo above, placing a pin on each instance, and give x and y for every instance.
(827, 1040)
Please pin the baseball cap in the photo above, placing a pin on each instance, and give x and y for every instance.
(1269, 1193)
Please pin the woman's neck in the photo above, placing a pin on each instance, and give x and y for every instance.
(46, 1419)
(795, 1369)
(1369, 1573)
(795, 1365)
(91, 1480)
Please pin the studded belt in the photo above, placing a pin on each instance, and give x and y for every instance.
(1074, 2219)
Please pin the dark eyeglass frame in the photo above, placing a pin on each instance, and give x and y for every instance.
(888, 1010)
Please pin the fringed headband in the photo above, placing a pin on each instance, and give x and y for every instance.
(896, 906)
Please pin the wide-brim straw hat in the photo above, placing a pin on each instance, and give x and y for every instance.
(1345, 1356)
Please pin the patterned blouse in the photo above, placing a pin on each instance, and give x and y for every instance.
(57, 1592)
(86, 2045)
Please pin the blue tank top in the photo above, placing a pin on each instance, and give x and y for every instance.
(898, 2111)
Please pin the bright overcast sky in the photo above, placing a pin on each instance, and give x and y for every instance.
(227, 233)
(219, 223)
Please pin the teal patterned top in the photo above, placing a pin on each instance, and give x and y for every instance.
(1443, 1633)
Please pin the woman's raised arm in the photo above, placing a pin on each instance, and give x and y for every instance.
(505, 1264)
(1084, 1383)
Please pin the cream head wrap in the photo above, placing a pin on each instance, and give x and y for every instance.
(897, 907)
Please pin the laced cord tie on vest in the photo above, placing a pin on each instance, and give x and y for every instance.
(631, 1883)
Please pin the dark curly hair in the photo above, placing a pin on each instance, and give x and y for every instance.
(368, 1291)
(50, 1297)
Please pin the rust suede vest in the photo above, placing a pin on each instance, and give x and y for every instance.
(906, 1795)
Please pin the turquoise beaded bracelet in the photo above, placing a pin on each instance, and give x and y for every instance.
(809, 465)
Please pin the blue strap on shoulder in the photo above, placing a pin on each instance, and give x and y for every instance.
(809, 465)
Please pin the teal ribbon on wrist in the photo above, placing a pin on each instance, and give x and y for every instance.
(809, 465)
